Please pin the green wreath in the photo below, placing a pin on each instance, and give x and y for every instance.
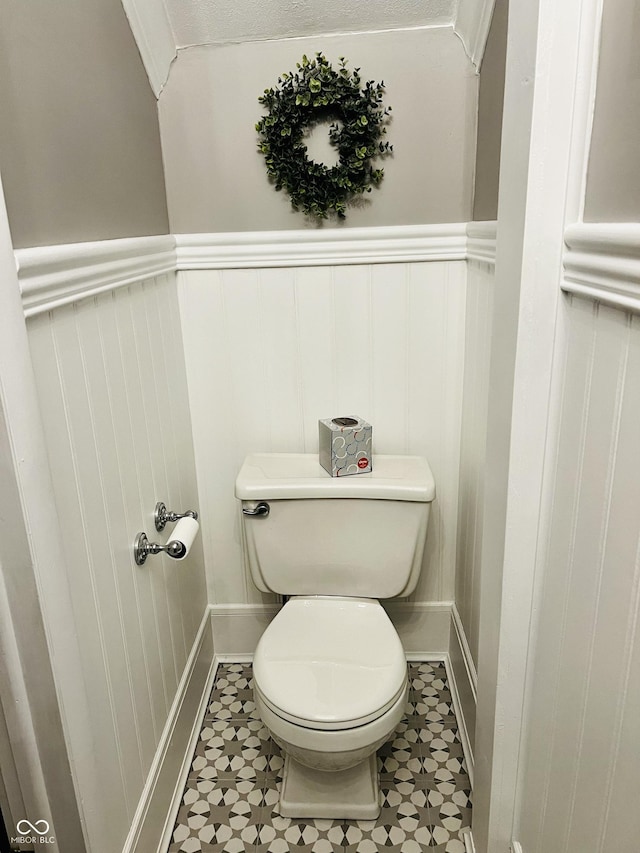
(317, 92)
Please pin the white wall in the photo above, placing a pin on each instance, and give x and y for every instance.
(613, 179)
(111, 384)
(580, 773)
(270, 351)
(216, 179)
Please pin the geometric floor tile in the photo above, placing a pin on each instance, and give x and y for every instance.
(230, 803)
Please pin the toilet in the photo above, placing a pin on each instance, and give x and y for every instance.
(330, 673)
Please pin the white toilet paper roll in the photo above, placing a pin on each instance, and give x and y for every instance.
(182, 537)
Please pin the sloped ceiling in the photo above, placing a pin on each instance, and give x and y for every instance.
(219, 21)
(163, 27)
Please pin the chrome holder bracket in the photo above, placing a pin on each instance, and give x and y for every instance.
(142, 548)
(162, 515)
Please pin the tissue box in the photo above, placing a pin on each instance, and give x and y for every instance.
(345, 446)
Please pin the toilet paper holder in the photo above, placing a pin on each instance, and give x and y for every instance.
(180, 543)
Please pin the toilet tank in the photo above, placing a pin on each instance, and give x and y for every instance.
(361, 535)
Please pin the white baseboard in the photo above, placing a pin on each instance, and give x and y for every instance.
(238, 627)
(158, 805)
(187, 759)
(461, 720)
(423, 627)
(463, 680)
(467, 837)
(465, 651)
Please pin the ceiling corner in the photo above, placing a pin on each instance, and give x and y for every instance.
(154, 36)
(472, 23)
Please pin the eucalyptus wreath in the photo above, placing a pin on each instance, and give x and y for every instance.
(315, 93)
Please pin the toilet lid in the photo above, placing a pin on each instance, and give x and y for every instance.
(330, 662)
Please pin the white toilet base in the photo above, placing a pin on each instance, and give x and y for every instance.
(350, 794)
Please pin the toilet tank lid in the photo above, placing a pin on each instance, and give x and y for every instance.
(291, 476)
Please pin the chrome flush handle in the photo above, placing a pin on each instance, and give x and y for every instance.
(261, 508)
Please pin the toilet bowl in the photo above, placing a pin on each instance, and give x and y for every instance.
(330, 675)
(330, 684)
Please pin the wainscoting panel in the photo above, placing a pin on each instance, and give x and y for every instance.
(111, 383)
(581, 771)
(270, 351)
(480, 275)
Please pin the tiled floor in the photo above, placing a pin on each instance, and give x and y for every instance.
(230, 802)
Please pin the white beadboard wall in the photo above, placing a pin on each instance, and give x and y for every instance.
(581, 772)
(480, 275)
(111, 382)
(270, 351)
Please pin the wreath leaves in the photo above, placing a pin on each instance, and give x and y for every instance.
(313, 93)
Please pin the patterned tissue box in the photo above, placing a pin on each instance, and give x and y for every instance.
(345, 446)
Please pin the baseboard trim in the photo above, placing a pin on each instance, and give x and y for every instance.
(467, 837)
(465, 649)
(156, 811)
(423, 626)
(464, 687)
(420, 624)
(463, 731)
(188, 759)
(238, 627)
(425, 657)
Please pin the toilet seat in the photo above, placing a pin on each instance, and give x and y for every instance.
(330, 662)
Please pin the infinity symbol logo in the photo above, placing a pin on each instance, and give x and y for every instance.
(20, 827)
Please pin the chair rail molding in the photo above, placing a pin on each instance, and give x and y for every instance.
(602, 262)
(481, 242)
(326, 247)
(472, 23)
(51, 276)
